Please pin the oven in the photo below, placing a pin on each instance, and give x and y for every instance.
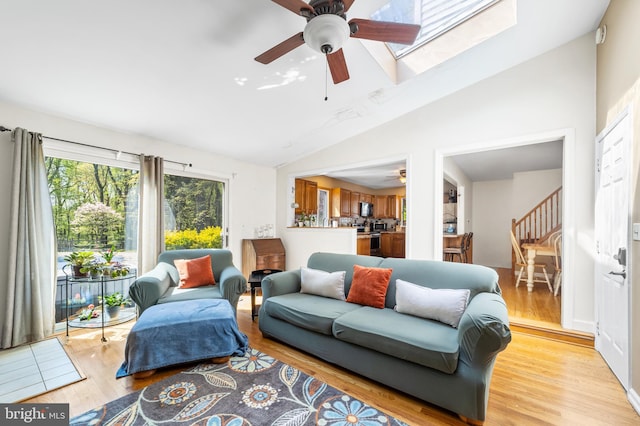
(375, 244)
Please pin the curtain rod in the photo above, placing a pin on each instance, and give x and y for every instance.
(117, 151)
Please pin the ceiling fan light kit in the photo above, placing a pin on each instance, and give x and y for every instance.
(326, 33)
(327, 30)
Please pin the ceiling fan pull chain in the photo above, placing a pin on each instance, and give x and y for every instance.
(326, 77)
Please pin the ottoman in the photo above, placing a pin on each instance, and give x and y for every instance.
(181, 332)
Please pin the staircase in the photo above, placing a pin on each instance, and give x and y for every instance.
(540, 222)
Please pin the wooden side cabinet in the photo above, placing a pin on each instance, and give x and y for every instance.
(262, 253)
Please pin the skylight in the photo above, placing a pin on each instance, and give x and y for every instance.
(436, 17)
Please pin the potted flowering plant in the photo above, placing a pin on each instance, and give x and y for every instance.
(109, 254)
(78, 260)
(88, 313)
(94, 269)
(113, 302)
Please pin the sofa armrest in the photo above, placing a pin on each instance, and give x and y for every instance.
(232, 284)
(148, 288)
(484, 329)
(280, 283)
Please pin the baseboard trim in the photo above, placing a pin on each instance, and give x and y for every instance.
(567, 336)
(634, 399)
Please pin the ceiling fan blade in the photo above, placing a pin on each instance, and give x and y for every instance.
(294, 5)
(280, 49)
(347, 4)
(390, 32)
(338, 67)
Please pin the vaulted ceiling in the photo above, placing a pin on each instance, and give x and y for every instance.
(183, 71)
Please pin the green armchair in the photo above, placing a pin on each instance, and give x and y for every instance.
(160, 285)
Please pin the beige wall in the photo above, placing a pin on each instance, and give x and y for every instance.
(618, 85)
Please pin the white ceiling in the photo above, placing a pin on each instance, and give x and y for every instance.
(183, 71)
(501, 164)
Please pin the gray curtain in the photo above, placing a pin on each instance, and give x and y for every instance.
(151, 212)
(28, 293)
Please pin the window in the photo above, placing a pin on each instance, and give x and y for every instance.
(194, 212)
(94, 208)
(435, 16)
(94, 199)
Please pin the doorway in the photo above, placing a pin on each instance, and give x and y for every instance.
(492, 246)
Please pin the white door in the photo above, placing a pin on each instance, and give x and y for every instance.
(612, 237)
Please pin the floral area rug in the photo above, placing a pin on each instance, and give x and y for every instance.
(254, 389)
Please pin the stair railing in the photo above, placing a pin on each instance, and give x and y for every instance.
(540, 222)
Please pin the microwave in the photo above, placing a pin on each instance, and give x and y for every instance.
(382, 226)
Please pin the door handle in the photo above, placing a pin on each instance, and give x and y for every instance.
(623, 274)
(621, 256)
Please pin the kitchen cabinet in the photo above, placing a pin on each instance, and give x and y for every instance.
(306, 196)
(355, 203)
(340, 202)
(262, 253)
(366, 198)
(364, 245)
(392, 244)
(385, 207)
(392, 206)
(380, 207)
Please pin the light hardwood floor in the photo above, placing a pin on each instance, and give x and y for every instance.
(535, 381)
(539, 306)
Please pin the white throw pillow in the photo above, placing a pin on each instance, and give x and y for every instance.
(322, 283)
(444, 305)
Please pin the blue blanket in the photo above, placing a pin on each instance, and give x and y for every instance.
(181, 332)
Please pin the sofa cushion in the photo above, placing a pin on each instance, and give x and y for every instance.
(444, 305)
(175, 294)
(369, 286)
(322, 283)
(332, 262)
(195, 272)
(307, 311)
(422, 341)
(438, 274)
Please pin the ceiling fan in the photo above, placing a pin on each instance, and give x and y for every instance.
(327, 29)
(399, 175)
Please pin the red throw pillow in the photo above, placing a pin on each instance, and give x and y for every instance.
(369, 286)
(195, 272)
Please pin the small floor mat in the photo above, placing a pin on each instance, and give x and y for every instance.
(34, 369)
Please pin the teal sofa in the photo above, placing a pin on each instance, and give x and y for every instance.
(160, 285)
(446, 366)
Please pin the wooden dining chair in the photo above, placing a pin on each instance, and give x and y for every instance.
(448, 253)
(557, 275)
(521, 262)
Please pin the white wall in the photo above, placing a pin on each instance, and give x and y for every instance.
(251, 188)
(530, 188)
(553, 91)
(334, 240)
(497, 203)
(492, 215)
